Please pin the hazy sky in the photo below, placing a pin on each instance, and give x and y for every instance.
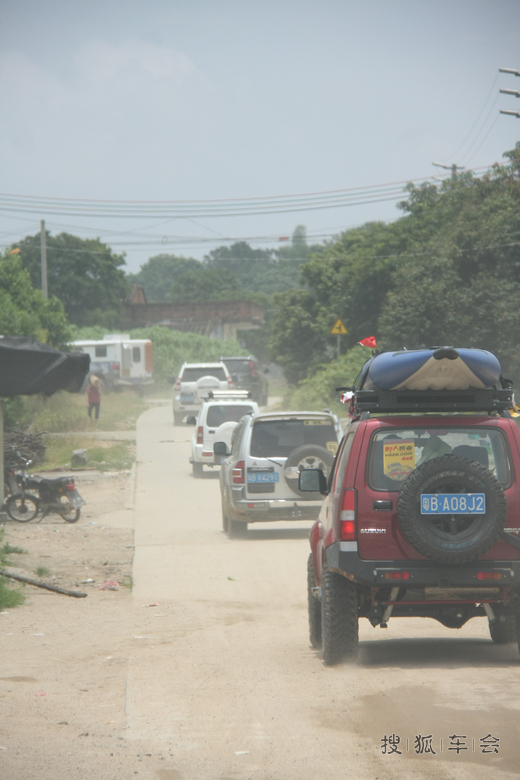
(174, 100)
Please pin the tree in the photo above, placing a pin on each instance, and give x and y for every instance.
(160, 272)
(297, 340)
(24, 311)
(446, 272)
(83, 273)
(208, 284)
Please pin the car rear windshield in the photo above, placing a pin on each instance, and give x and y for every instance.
(238, 366)
(278, 438)
(395, 455)
(226, 413)
(193, 374)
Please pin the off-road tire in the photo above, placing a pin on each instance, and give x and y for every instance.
(236, 529)
(309, 456)
(503, 633)
(314, 607)
(22, 508)
(464, 537)
(197, 469)
(339, 615)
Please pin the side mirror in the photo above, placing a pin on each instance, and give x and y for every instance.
(220, 448)
(312, 481)
(191, 421)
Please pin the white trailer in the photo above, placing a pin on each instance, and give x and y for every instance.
(129, 361)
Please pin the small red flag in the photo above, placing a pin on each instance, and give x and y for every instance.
(370, 341)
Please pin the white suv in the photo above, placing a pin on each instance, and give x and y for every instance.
(193, 384)
(218, 416)
(259, 476)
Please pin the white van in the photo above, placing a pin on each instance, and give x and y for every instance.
(130, 359)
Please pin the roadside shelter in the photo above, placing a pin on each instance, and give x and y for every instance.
(28, 367)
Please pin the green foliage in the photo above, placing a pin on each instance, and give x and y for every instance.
(171, 348)
(297, 339)
(23, 309)
(8, 598)
(261, 270)
(84, 274)
(206, 284)
(318, 391)
(447, 272)
(159, 274)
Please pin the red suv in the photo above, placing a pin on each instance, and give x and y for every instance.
(421, 518)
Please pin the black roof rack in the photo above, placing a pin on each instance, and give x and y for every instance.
(406, 401)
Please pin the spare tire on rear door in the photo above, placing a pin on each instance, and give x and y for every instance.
(451, 536)
(309, 456)
(205, 384)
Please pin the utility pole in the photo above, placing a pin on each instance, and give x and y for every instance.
(453, 168)
(43, 252)
(510, 91)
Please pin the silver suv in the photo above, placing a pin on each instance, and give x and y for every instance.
(193, 384)
(259, 476)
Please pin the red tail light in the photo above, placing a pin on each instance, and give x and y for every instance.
(200, 435)
(238, 473)
(252, 367)
(230, 381)
(115, 366)
(178, 384)
(489, 575)
(71, 485)
(348, 515)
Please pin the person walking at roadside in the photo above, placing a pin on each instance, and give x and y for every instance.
(94, 396)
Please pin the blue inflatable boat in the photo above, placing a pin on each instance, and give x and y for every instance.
(438, 368)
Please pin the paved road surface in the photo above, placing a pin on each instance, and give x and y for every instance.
(227, 678)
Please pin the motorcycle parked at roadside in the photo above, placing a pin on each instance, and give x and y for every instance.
(32, 494)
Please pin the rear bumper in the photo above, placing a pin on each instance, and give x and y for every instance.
(267, 510)
(343, 558)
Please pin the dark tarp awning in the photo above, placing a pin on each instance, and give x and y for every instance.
(28, 367)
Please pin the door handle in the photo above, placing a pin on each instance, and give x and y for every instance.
(383, 506)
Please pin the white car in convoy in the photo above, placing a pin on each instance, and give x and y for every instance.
(219, 415)
(193, 384)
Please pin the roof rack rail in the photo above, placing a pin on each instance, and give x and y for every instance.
(406, 401)
(229, 394)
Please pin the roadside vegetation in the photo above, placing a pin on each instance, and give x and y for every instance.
(8, 598)
(447, 272)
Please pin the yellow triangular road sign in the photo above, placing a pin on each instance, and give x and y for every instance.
(339, 328)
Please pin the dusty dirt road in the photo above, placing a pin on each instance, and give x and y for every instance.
(203, 671)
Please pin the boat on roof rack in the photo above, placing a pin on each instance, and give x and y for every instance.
(439, 379)
(437, 368)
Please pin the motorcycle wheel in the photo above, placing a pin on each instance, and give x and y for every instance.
(22, 508)
(67, 511)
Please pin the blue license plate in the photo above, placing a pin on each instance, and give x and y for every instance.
(453, 504)
(186, 399)
(262, 476)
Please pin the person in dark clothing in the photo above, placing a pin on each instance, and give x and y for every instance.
(94, 396)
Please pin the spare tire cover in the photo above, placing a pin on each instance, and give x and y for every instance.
(309, 456)
(225, 433)
(453, 538)
(205, 384)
